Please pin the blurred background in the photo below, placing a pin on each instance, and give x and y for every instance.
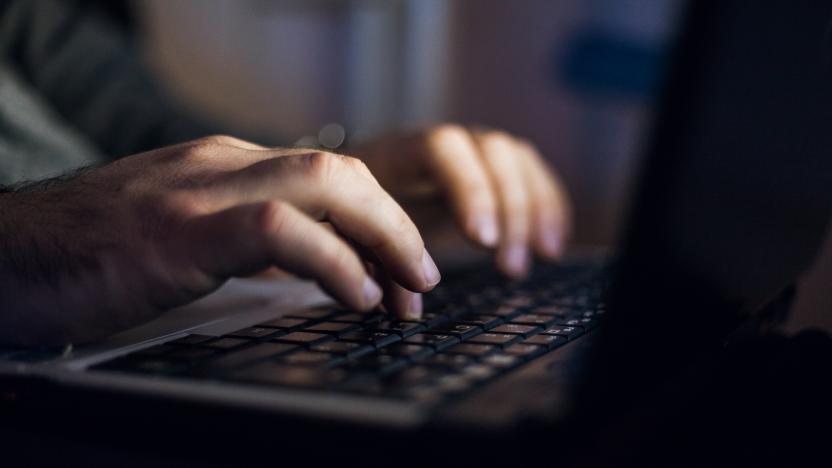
(574, 76)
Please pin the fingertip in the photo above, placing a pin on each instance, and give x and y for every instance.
(430, 271)
(513, 260)
(372, 293)
(484, 229)
(414, 308)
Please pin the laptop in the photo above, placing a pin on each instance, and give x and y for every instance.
(732, 202)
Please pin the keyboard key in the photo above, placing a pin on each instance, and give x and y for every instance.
(234, 359)
(375, 338)
(432, 319)
(483, 321)
(226, 343)
(513, 329)
(304, 338)
(311, 314)
(462, 331)
(500, 339)
(403, 329)
(359, 318)
(533, 319)
(551, 310)
(525, 351)
(519, 301)
(191, 340)
(438, 341)
(379, 363)
(334, 328)
(452, 383)
(549, 341)
(344, 348)
(285, 323)
(411, 376)
(505, 311)
(254, 332)
(568, 332)
(479, 372)
(144, 365)
(471, 349)
(501, 361)
(293, 376)
(411, 351)
(451, 361)
(309, 358)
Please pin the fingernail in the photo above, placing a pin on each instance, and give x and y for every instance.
(486, 227)
(550, 241)
(372, 292)
(516, 259)
(430, 271)
(414, 308)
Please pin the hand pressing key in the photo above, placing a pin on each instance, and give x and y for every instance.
(116, 246)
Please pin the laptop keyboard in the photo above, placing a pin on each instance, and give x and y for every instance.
(473, 330)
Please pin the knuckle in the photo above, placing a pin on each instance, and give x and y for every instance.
(322, 167)
(495, 139)
(446, 132)
(218, 140)
(273, 218)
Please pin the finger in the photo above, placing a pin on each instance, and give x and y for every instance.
(401, 302)
(501, 158)
(340, 190)
(453, 158)
(550, 225)
(247, 238)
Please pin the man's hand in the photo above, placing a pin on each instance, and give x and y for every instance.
(118, 245)
(501, 192)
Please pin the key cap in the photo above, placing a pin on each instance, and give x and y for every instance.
(501, 361)
(312, 314)
(500, 339)
(460, 330)
(375, 338)
(452, 383)
(254, 332)
(505, 311)
(346, 348)
(403, 329)
(146, 365)
(245, 356)
(293, 376)
(450, 361)
(191, 340)
(478, 372)
(533, 319)
(549, 341)
(438, 341)
(379, 363)
(551, 310)
(309, 358)
(411, 376)
(471, 349)
(567, 332)
(409, 350)
(525, 351)
(304, 338)
(226, 343)
(519, 301)
(483, 321)
(359, 318)
(524, 330)
(334, 328)
(285, 323)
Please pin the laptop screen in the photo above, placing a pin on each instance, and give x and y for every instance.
(735, 190)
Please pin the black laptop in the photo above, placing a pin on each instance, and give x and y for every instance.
(730, 207)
